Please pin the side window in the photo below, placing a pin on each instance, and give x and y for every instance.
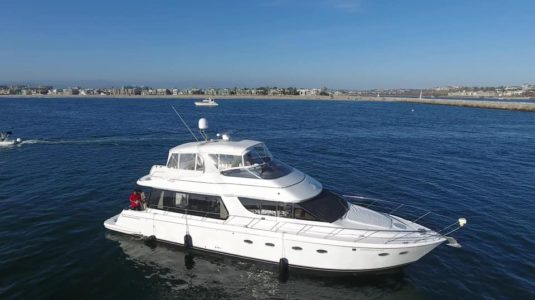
(214, 159)
(198, 205)
(300, 213)
(229, 161)
(173, 161)
(251, 205)
(187, 161)
(207, 206)
(280, 209)
(192, 204)
(199, 166)
(156, 199)
(168, 200)
(225, 161)
(285, 210)
(268, 208)
(181, 200)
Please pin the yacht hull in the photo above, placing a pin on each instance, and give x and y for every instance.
(304, 252)
(204, 104)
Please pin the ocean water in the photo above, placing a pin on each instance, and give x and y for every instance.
(81, 158)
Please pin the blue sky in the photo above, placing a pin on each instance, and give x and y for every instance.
(355, 44)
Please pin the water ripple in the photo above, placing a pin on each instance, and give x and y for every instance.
(80, 160)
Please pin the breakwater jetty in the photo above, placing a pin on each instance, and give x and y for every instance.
(508, 105)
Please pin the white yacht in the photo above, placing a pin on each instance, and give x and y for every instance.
(206, 102)
(234, 198)
(6, 142)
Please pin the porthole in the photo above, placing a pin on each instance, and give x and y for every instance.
(354, 249)
(297, 248)
(384, 254)
(404, 252)
(248, 241)
(321, 251)
(270, 244)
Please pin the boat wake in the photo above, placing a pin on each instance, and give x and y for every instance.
(113, 141)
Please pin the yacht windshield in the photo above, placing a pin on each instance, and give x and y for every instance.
(326, 206)
(267, 170)
(259, 154)
(258, 163)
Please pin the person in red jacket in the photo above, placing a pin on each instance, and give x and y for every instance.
(135, 200)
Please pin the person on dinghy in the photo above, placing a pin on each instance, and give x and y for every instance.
(4, 135)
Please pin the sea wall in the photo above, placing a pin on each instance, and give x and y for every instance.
(508, 105)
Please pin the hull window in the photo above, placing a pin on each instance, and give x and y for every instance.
(186, 203)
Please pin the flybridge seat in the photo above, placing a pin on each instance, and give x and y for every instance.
(248, 159)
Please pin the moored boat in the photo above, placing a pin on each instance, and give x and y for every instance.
(206, 102)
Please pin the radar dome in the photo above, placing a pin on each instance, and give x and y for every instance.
(203, 124)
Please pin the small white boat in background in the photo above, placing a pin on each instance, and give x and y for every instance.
(206, 102)
(5, 141)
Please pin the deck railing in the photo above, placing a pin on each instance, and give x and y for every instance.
(332, 231)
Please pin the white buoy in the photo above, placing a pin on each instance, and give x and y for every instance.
(203, 124)
(462, 222)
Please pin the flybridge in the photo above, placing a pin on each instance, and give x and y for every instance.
(245, 159)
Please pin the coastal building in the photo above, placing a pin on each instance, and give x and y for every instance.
(223, 92)
(4, 90)
(309, 92)
(211, 92)
(275, 92)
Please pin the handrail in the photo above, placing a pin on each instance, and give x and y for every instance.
(374, 202)
(333, 231)
(184, 211)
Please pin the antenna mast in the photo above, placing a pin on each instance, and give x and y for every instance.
(185, 124)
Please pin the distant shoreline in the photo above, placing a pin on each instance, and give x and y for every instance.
(181, 97)
(489, 103)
